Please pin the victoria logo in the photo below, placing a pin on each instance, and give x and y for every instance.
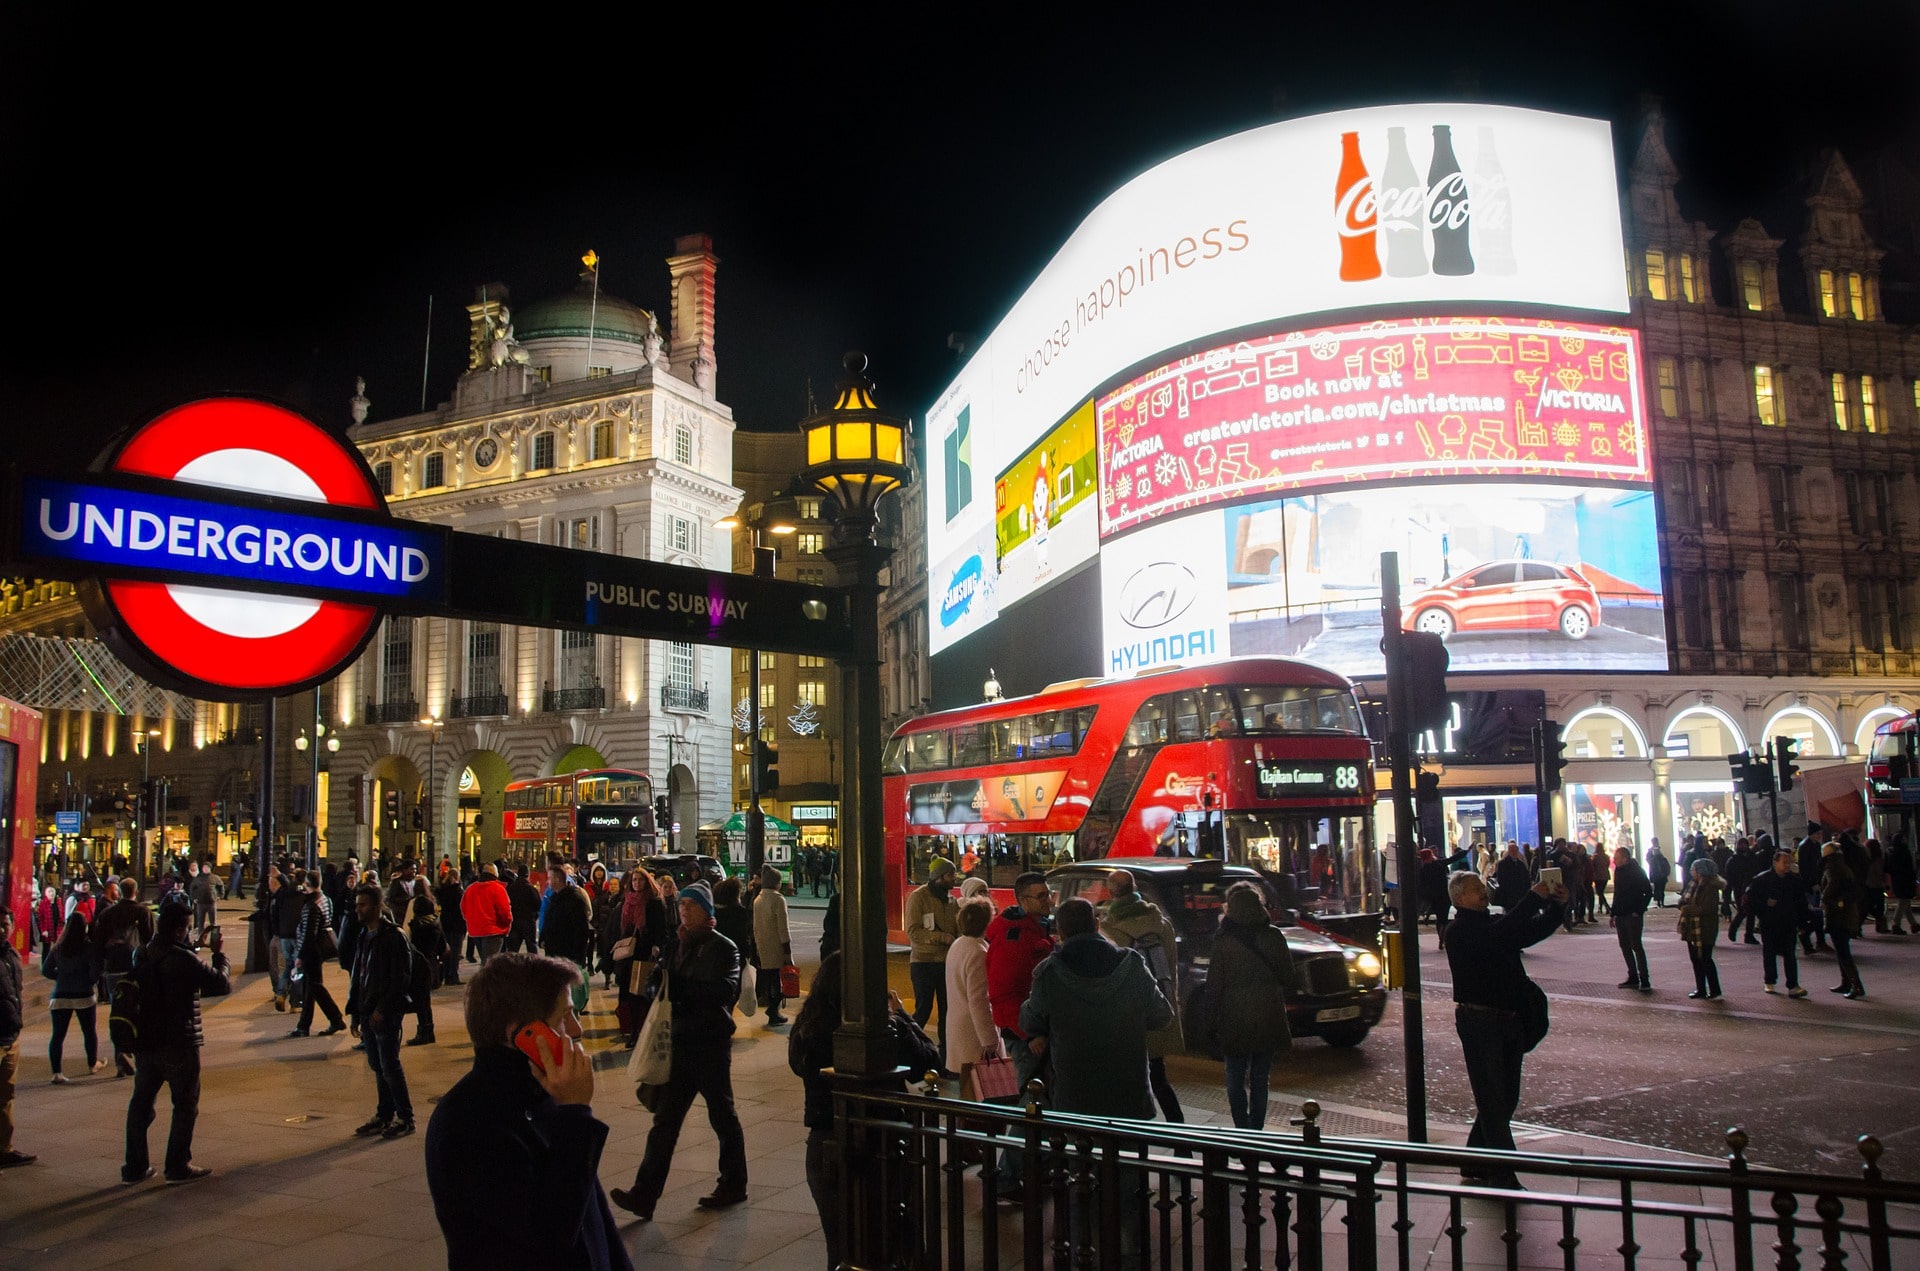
(961, 590)
(1157, 594)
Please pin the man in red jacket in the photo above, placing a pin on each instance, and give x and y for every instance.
(1018, 940)
(487, 910)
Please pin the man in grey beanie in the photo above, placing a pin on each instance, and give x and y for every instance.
(772, 943)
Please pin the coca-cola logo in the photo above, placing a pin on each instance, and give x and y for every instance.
(1357, 210)
(1448, 204)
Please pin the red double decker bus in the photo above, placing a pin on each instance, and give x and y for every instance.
(1896, 746)
(1257, 761)
(603, 814)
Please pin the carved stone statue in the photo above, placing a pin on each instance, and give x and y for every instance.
(652, 343)
(359, 404)
(505, 348)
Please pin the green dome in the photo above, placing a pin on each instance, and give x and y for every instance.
(569, 315)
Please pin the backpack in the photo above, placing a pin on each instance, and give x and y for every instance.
(420, 977)
(135, 1021)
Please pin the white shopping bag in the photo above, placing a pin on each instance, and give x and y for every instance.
(652, 1061)
(749, 991)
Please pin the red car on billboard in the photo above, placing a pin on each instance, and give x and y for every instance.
(1506, 595)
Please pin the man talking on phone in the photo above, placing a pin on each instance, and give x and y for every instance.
(1499, 1012)
(513, 1150)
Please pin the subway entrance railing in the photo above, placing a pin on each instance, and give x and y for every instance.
(917, 1174)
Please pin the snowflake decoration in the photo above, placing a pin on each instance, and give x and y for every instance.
(1629, 439)
(805, 719)
(743, 714)
(1712, 822)
(1165, 468)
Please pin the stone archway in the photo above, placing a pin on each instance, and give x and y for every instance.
(578, 758)
(400, 774)
(471, 806)
(683, 800)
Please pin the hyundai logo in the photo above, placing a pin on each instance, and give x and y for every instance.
(1157, 594)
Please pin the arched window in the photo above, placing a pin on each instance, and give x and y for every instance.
(1815, 735)
(1600, 732)
(1863, 735)
(1703, 732)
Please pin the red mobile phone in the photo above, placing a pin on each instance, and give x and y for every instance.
(541, 1044)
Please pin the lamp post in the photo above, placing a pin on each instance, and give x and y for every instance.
(856, 457)
(433, 792)
(144, 743)
(301, 743)
(779, 516)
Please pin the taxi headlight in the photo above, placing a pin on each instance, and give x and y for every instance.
(1368, 965)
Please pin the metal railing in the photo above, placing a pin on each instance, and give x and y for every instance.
(406, 712)
(480, 704)
(682, 697)
(591, 698)
(918, 1175)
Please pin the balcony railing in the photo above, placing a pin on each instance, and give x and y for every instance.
(591, 698)
(407, 712)
(684, 697)
(1107, 1193)
(480, 704)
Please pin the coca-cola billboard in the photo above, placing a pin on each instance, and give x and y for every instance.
(1410, 399)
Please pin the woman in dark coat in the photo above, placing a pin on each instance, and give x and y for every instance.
(1243, 1008)
(733, 919)
(73, 964)
(1840, 892)
(606, 919)
(1700, 924)
(423, 929)
(643, 919)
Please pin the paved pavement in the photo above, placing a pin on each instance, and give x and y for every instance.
(293, 1188)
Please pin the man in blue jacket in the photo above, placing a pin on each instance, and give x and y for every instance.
(513, 1150)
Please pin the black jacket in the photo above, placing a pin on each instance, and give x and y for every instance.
(524, 899)
(283, 911)
(1632, 890)
(72, 977)
(382, 970)
(810, 1052)
(1741, 869)
(447, 896)
(515, 1176)
(12, 980)
(119, 918)
(567, 931)
(1511, 880)
(703, 977)
(184, 980)
(1778, 902)
(1484, 951)
(735, 922)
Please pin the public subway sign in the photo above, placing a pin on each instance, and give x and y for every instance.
(233, 549)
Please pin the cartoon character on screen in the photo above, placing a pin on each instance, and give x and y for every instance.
(1042, 516)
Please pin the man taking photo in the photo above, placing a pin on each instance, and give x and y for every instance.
(171, 1057)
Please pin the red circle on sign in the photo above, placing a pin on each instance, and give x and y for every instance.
(151, 619)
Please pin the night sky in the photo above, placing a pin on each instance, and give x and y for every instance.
(267, 209)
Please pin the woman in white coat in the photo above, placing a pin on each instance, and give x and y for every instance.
(971, 1035)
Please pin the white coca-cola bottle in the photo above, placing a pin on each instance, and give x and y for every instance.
(1492, 209)
(1403, 210)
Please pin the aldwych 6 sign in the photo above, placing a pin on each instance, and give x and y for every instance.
(233, 549)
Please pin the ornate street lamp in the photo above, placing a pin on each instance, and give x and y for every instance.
(301, 744)
(856, 456)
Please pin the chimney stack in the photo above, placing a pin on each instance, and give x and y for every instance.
(690, 348)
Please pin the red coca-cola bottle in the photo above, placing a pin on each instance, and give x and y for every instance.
(1356, 210)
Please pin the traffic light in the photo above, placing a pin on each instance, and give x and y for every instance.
(766, 761)
(1426, 659)
(1751, 775)
(149, 802)
(390, 805)
(1550, 755)
(1786, 756)
(662, 815)
(417, 816)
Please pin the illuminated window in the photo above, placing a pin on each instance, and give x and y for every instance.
(581, 534)
(683, 535)
(812, 692)
(1764, 404)
(766, 695)
(383, 472)
(1668, 372)
(1697, 387)
(603, 439)
(1839, 383)
(599, 372)
(809, 544)
(1752, 295)
(433, 472)
(1829, 303)
(740, 662)
(1656, 274)
(683, 445)
(1857, 297)
(545, 373)
(542, 451)
(1688, 292)
(810, 661)
(1869, 408)
(767, 661)
(809, 509)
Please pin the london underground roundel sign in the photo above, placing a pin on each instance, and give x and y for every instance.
(211, 640)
